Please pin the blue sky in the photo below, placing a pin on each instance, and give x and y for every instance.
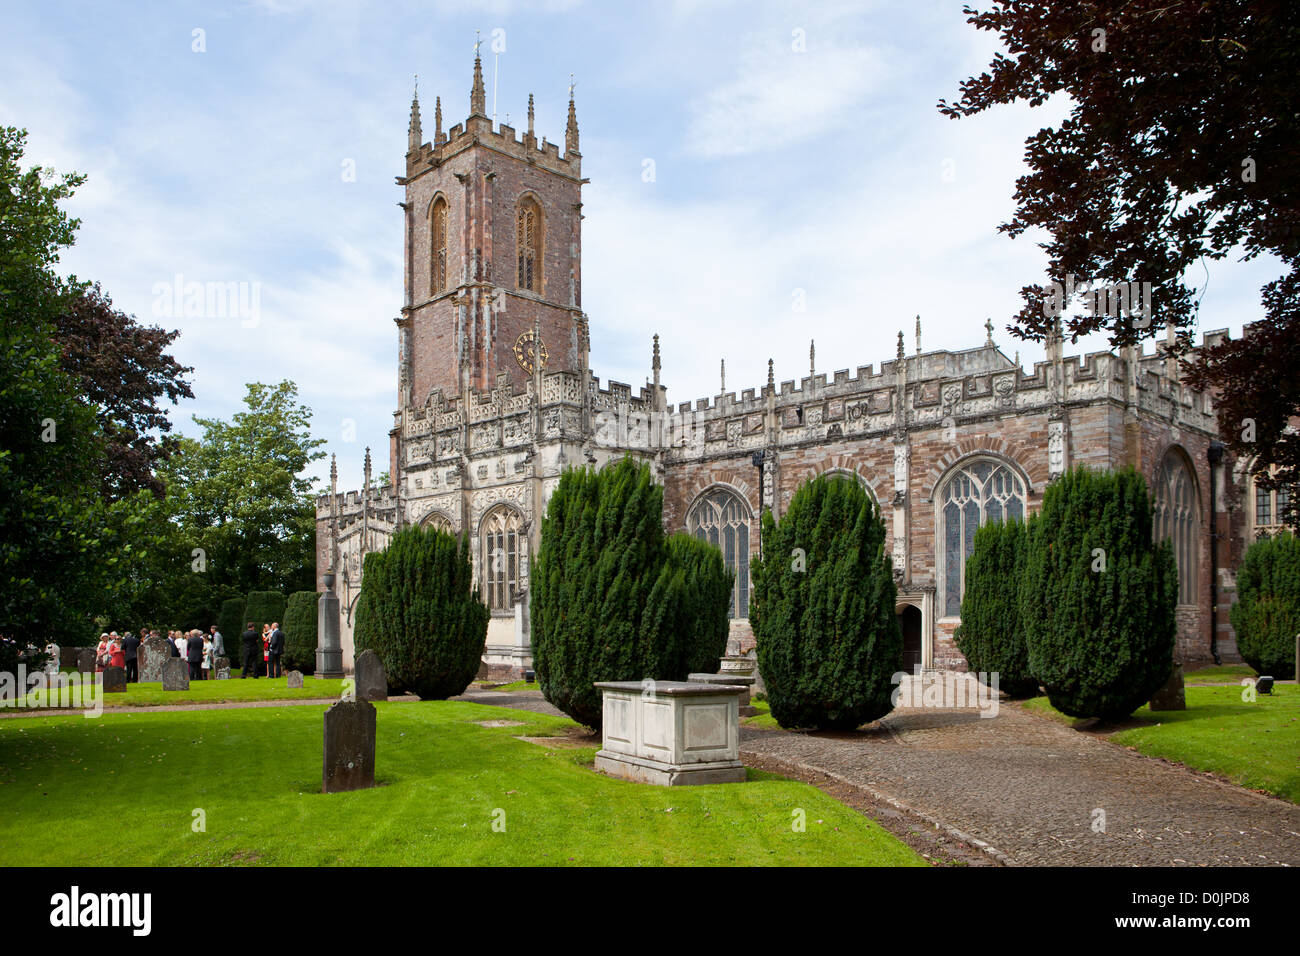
(822, 174)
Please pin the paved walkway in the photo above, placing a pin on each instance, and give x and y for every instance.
(1030, 787)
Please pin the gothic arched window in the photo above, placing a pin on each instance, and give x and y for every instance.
(438, 247)
(721, 517)
(528, 244)
(979, 491)
(501, 538)
(1177, 518)
(439, 522)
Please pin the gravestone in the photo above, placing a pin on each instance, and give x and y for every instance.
(349, 747)
(114, 680)
(371, 678)
(1171, 696)
(68, 656)
(294, 680)
(175, 674)
(152, 655)
(86, 660)
(222, 663)
(223, 673)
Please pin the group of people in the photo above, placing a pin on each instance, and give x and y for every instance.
(201, 651)
(272, 649)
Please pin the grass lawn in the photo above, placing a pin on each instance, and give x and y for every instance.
(223, 691)
(1255, 745)
(443, 779)
(518, 685)
(1223, 674)
(763, 718)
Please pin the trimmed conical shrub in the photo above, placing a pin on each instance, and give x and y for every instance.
(828, 640)
(602, 591)
(263, 607)
(300, 632)
(1266, 616)
(991, 637)
(685, 627)
(1097, 598)
(421, 613)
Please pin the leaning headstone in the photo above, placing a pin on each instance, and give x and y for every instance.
(371, 678)
(176, 674)
(349, 747)
(114, 680)
(68, 656)
(1171, 696)
(293, 680)
(86, 660)
(223, 673)
(153, 654)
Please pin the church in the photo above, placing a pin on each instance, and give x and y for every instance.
(496, 397)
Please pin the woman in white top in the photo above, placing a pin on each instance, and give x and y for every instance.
(207, 657)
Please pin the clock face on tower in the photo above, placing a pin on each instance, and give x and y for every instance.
(529, 351)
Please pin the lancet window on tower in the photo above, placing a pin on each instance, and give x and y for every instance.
(528, 241)
(438, 245)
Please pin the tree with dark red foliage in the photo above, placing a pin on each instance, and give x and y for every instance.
(1182, 146)
(123, 369)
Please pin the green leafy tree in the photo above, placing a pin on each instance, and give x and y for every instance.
(420, 611)
(240, 493)
(828, 640)
(65, 551)
(991, 637)
(300, 631)
(1098, 596)
(602, 553)
(1266, 616)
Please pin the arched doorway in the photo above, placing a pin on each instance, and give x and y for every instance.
(909, 622)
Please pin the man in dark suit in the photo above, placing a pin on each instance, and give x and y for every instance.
(194, 654)
(131, 654)
(276, 651)
(251, 646)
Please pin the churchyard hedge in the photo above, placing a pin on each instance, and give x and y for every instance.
(300, 632)
(1097, 597)
(1266, 616)
(685, 627)
(828, 639)
(230, 622)
(420, 611)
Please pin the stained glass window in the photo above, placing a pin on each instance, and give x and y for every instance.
(501, 557)
(721, 518)
(979, 492)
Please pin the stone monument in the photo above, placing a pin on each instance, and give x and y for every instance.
(739, 680)
(152, 655)
(86, 660)
(671, 732)
(175, 674)
(371, 678)
(349, 747)
(114, 680)
(1171, 695)
(68, 656)
(329, 648)
(293, 680)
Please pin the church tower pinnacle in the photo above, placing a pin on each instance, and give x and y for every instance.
(571, 130)
(477, 97)
(414, 137)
